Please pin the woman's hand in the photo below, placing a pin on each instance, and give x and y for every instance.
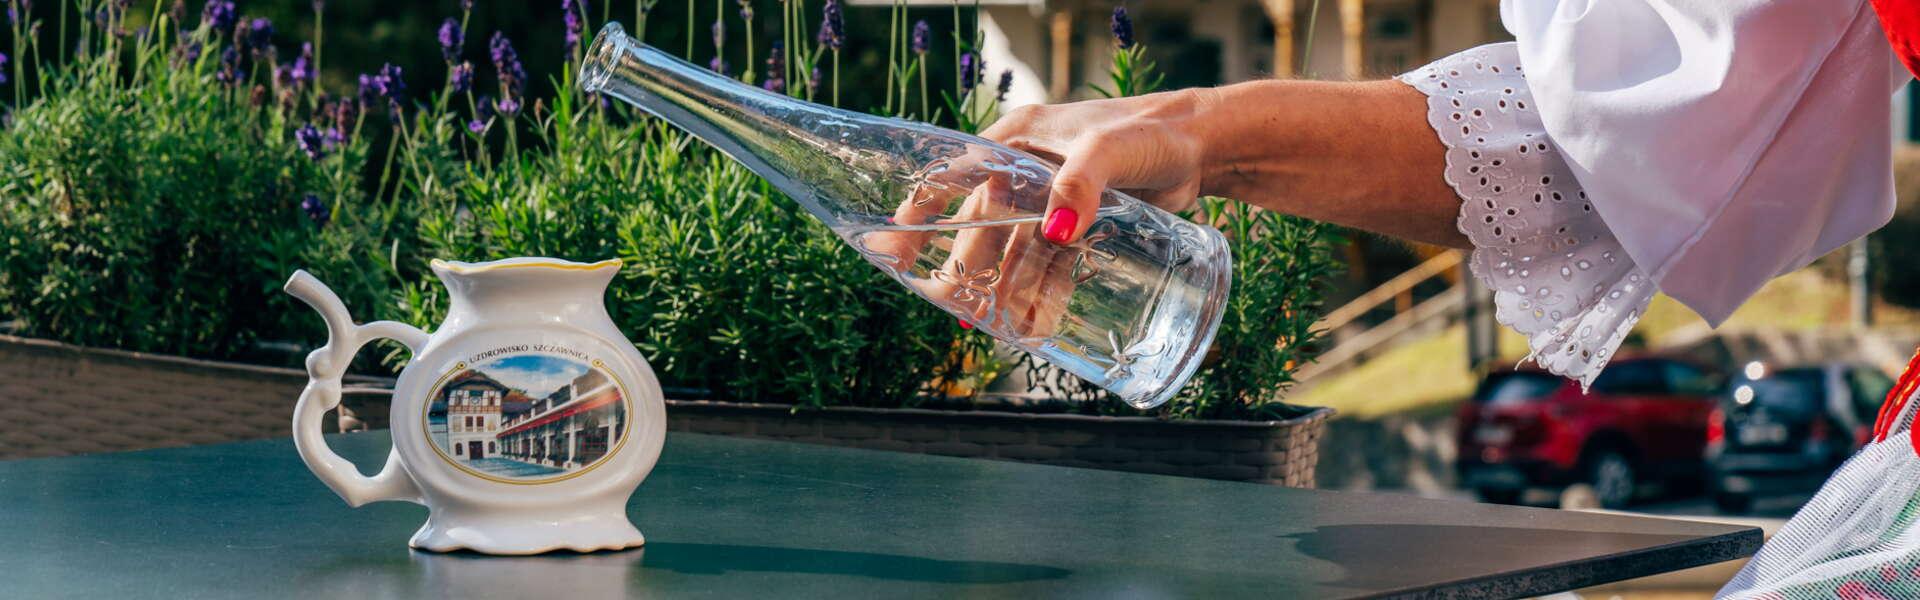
(1356, 154)
(1149, 147)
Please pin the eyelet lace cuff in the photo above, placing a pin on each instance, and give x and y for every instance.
(1558, 274)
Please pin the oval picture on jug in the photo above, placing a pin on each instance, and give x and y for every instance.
(527, 417)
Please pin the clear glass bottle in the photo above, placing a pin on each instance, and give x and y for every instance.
(1131, 307)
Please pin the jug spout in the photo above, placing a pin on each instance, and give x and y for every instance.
(525, 286)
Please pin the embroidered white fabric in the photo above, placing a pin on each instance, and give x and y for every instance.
(1558, 274)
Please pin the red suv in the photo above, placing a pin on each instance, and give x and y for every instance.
(1645, 420)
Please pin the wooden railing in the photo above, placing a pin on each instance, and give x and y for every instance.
(1407, 315)
(1398, 290)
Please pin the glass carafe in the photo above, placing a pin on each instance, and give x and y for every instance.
(1131, 307)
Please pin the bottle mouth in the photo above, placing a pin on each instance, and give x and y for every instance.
(608, 45)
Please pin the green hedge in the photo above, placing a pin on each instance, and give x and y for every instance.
(154, 194)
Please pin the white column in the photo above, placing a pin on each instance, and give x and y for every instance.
(1012, 38)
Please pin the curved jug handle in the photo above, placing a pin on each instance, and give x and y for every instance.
(325, 368)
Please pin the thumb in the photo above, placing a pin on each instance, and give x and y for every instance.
(1074, 198)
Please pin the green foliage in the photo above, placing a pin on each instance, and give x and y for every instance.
(728, 287)
(1130, 74)
(149, 203)
(1280, 268)
(159, 211)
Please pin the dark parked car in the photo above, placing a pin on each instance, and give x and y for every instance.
(1644, 420)
(1785, 430)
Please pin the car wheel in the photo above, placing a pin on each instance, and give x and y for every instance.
(1499, 495)
(1613, 479)
(1733, 504)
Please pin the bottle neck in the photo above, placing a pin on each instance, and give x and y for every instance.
(753, 126)
(803, 149)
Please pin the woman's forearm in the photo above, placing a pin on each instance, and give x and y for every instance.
(1357, 154)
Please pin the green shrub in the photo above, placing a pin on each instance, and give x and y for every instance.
(728, 287)
(159, 212)
(160, 188)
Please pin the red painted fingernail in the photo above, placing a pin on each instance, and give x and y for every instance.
(1060, 224)
(964, 324)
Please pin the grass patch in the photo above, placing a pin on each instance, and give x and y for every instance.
(1431, 372)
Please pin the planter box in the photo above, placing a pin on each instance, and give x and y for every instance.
(57, 399)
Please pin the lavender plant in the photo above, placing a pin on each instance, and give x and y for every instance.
(157, 183)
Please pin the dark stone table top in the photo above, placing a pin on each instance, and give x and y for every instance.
(741, 518)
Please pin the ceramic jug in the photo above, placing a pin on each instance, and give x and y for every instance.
(523, 423)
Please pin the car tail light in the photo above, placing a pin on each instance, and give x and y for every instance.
(1818, 431)
(1716, 427)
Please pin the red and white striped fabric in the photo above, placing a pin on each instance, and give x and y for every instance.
(1859, 538)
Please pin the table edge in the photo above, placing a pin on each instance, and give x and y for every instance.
(1576, 574)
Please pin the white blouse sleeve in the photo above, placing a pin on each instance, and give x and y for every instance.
(1694, 147)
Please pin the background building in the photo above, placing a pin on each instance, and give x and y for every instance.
(571, 427)
(473, 415)
(1056, 47)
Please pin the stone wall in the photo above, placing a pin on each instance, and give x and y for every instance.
(58, 400)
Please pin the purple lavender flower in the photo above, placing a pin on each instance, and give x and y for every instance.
(971, 68)
(922, 37)
(283, 76)
(452, 40)
(833, 26)
(396, 88)
(461, 79)
(14, 10)
(571, 18)
(746, 10)
(507, 106)
(506, 64)
(776, 81)
(466, 5)
(260, 35)
(482, 115)
(372, 88)
(319, 6)
(187, 53)
(1006, 85)
(316, 210)
(573, 25)
(3, 64)
(719, 65)
(311, 142)
(813, 80)
(230, 72)
(719, 35)
(1122, 27)
(302, 70)
(219, 16)
(345, 112)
